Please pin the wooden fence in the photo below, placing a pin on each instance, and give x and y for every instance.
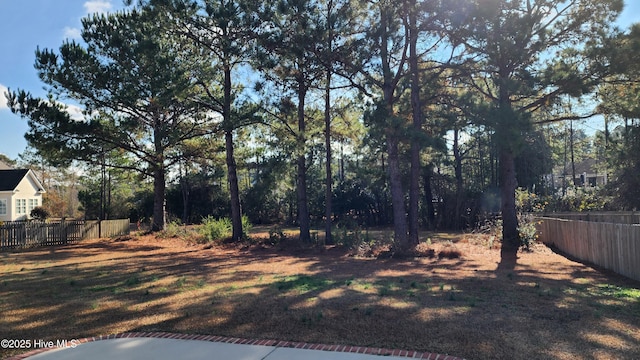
(95, 229)
(612, 246)
(36, 233)
(615, 217)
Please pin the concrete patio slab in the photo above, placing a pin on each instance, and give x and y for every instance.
(154, 348)
(170, 346)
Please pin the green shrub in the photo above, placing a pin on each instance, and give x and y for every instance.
(276, 236)
(342, 236)
(527, 230)
(39, 213)
(219, 229)
(576, 199)
(246, 226)
(352, 237)
(216, 229)
(174, 229)
(530, 202)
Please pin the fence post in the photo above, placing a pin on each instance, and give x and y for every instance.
(64, 231)
(24, 238)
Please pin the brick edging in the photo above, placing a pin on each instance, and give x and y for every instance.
(275, 343)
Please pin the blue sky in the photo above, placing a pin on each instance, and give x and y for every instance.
(27, 24)
(24, 26)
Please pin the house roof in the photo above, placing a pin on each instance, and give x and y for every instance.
(9, 179)
(588, 166)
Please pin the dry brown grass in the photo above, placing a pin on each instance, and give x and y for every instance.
(451, 300)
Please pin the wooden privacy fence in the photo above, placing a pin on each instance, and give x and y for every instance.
(617, 217)
(95, 229)
(612, 246)
(36, 233)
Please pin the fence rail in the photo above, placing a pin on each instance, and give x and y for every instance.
(95, 229)
(35, 233)
(615, 217)
(612, 246)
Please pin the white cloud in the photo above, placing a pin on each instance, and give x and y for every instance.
(72, 33)
(3, 99)
(97, 6)
(75, 112)
(91, 7)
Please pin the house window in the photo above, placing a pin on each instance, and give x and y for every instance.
(33, 203)
(21, 206)
(3, 207)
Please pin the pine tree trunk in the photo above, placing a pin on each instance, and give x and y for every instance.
(329, 179)
(328, 195)
(506, 119)
(428, 197)
(159, 213)
(414, 184)
(400, 228)
(457, 158)
(232, 176)
(397, 195)
(234, 192)
(573, 159)
(185, 187)
(508, 182)
(303, 206)
(159, 182)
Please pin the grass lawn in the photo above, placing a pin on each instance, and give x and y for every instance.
(547, 307)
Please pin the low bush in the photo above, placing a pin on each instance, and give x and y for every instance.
(216, 229)
(276, 236)
(174, 229)
(527, 230)
(219, 229)
(246, 226)
(39, 213)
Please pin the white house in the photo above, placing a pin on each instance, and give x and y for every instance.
(20, 192)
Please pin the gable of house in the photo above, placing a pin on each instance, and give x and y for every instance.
(10, 179)
(20, 192)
